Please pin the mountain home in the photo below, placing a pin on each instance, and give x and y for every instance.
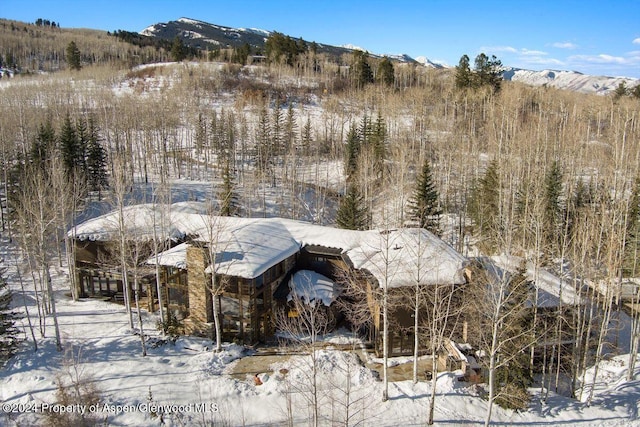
(245, 265)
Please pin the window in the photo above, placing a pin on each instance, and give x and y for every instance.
(178, 295)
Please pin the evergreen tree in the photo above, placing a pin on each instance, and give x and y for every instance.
(553, 212)
(305, 137)
(73, 56)
(277, 130)
(513, 378)
(463, 73)
(178, 50)
(83, 142)
(70, 148)
(8, 332)
(352, 152)
(378, 142)
(43, 145)
(352, 211)
(201, 133)
(264, 141)
(241, 54)
(487, 71)
(484, 207)
(290, 129)
(423, 205)
(228, 197)
(96, 159)
(621, 90)
(385, 72)
(361, 69)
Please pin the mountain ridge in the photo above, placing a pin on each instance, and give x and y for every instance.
(203, 35)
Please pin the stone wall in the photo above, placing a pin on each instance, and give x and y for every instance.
(199, 320)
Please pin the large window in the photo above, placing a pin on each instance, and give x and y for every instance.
(99, 286)
(178, 295)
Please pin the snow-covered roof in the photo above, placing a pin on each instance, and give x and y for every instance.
(170, 222)
(311, 286)
(551, 288)
(247, 247)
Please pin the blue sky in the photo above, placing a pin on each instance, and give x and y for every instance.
(593, 37)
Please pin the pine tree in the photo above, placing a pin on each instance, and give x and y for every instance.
(201, 133)
(83, 142)
(377, 140)
(70, 148)
(290, 129)
(73, 56)
(423, 204)
(178, 50)
(352, 212)
(621, 90)
(277, 130)
(553, 213)
(264, 142)
(228, 197)
(352, 152)
(385, 72)
(361, 69)
(96, 160)
(484, 207)
(43, 146)
(305, 137)
(487, 71)
(513, 378)
(8, 332)
(463, 73)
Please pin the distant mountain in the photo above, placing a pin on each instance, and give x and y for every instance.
(428, 63)
(569, 80)
(203, 35)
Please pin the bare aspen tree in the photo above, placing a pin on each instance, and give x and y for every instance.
(498, 308)
(121, 185)
(137, 253)
(613, 241)
(216, 242)
(162, 202)
(38, 213)
(302, 324)
(441, 324)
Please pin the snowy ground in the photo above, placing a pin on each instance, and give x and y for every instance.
(195, 383)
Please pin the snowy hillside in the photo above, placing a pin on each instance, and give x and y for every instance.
(429, 63)
(202, 34)
(570, 80)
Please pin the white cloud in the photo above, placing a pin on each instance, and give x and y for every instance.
(636, 41)
(545, 62)
(564, 45)
(508, 49)
(600, 59)
(527, 52)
